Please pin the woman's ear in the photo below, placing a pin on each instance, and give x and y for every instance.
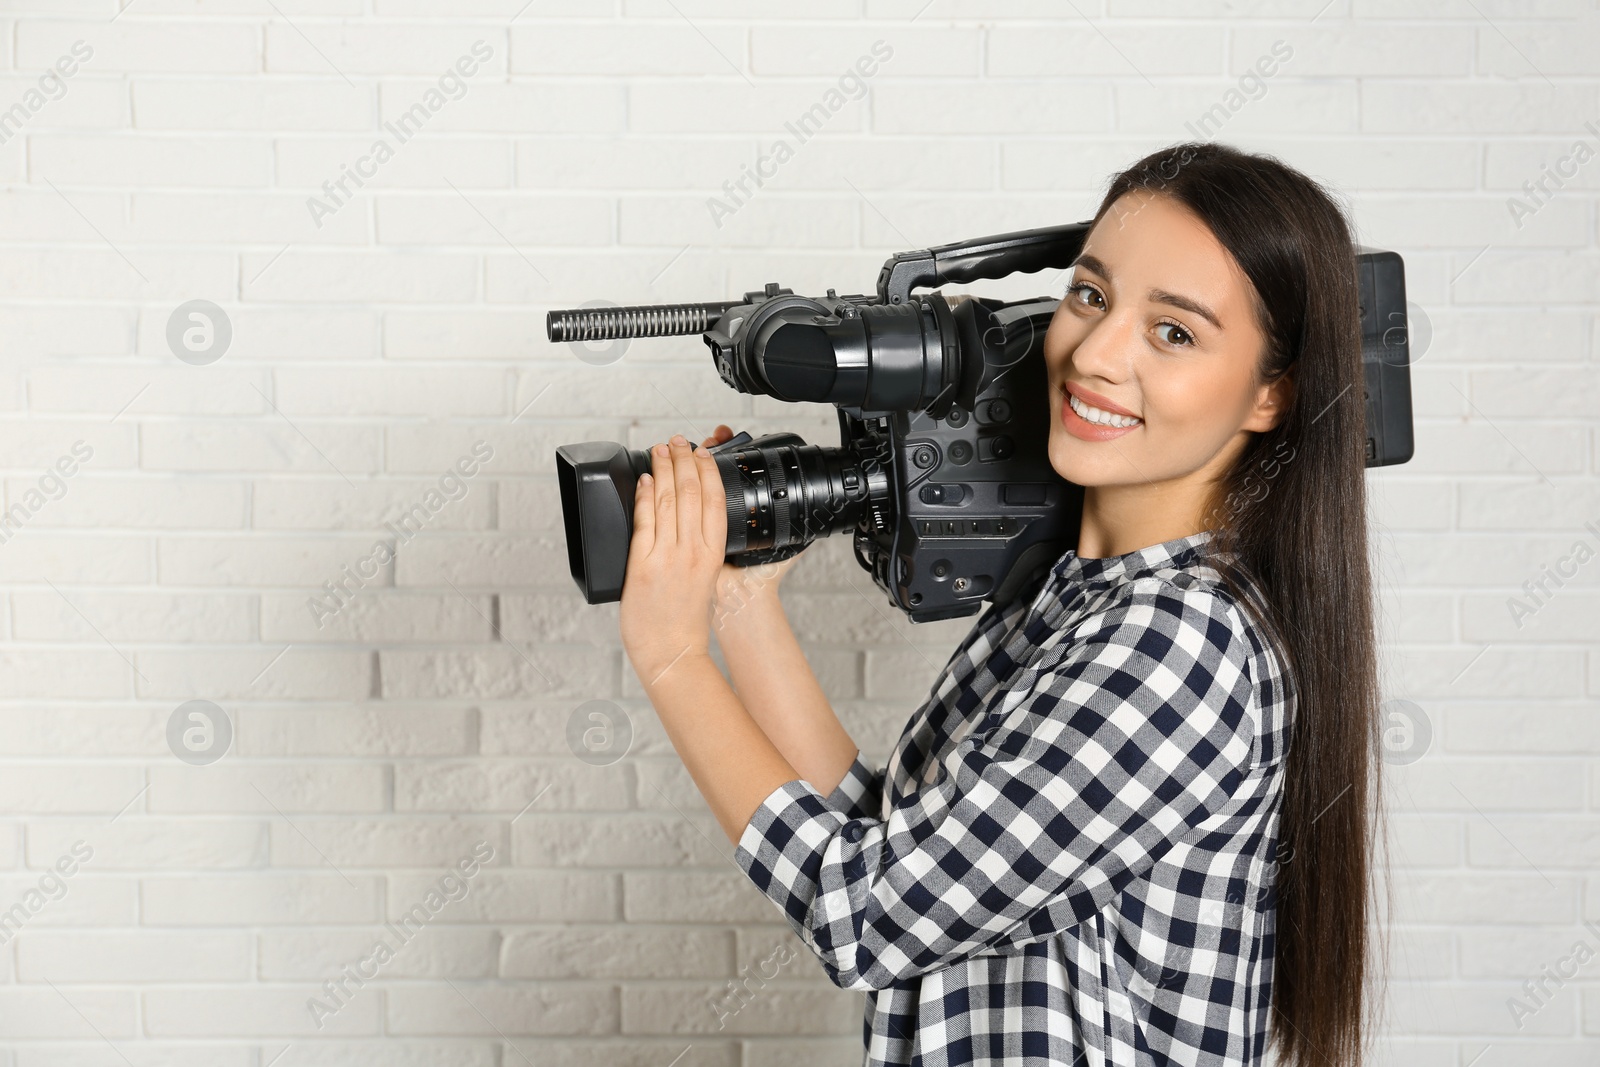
(1272, 403)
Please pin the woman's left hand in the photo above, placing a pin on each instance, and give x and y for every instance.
(680, 535)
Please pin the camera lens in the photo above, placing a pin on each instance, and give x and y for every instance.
(790, 494)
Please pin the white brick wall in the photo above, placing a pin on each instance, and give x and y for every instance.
(370, 754)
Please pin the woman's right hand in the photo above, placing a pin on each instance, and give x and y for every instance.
(737, 585)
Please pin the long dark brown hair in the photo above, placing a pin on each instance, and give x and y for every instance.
(1291, 542)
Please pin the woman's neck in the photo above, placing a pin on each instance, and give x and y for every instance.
(1120, 519)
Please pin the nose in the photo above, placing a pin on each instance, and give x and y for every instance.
(1106, 350)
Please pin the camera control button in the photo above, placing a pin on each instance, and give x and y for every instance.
(1000, 447)
(939, 493)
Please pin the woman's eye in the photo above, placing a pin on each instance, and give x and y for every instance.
(1181, 332)
(1078, 289)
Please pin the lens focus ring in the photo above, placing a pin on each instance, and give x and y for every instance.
(738, 511)
(778, 485)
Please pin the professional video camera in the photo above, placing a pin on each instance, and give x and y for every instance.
(942, 471)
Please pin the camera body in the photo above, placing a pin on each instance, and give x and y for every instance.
(942, 473)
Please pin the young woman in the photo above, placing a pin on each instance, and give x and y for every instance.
(1132, 824)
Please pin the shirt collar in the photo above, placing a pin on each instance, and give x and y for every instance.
(1178, 552)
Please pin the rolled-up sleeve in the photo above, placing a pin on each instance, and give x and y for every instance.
(1134, 729)
(859, 793)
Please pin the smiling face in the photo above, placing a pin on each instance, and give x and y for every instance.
(1158, 328)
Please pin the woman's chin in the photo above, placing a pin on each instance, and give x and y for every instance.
(1070, 462)
(1088, 464)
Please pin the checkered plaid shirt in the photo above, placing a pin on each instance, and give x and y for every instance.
(1069, 857)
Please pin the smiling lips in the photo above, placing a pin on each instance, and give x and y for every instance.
(1086, 421)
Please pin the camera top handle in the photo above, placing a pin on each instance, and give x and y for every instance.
(994, 257)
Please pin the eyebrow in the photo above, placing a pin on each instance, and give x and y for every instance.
(1160, 296)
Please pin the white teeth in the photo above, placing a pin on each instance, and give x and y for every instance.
(1102, 418)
